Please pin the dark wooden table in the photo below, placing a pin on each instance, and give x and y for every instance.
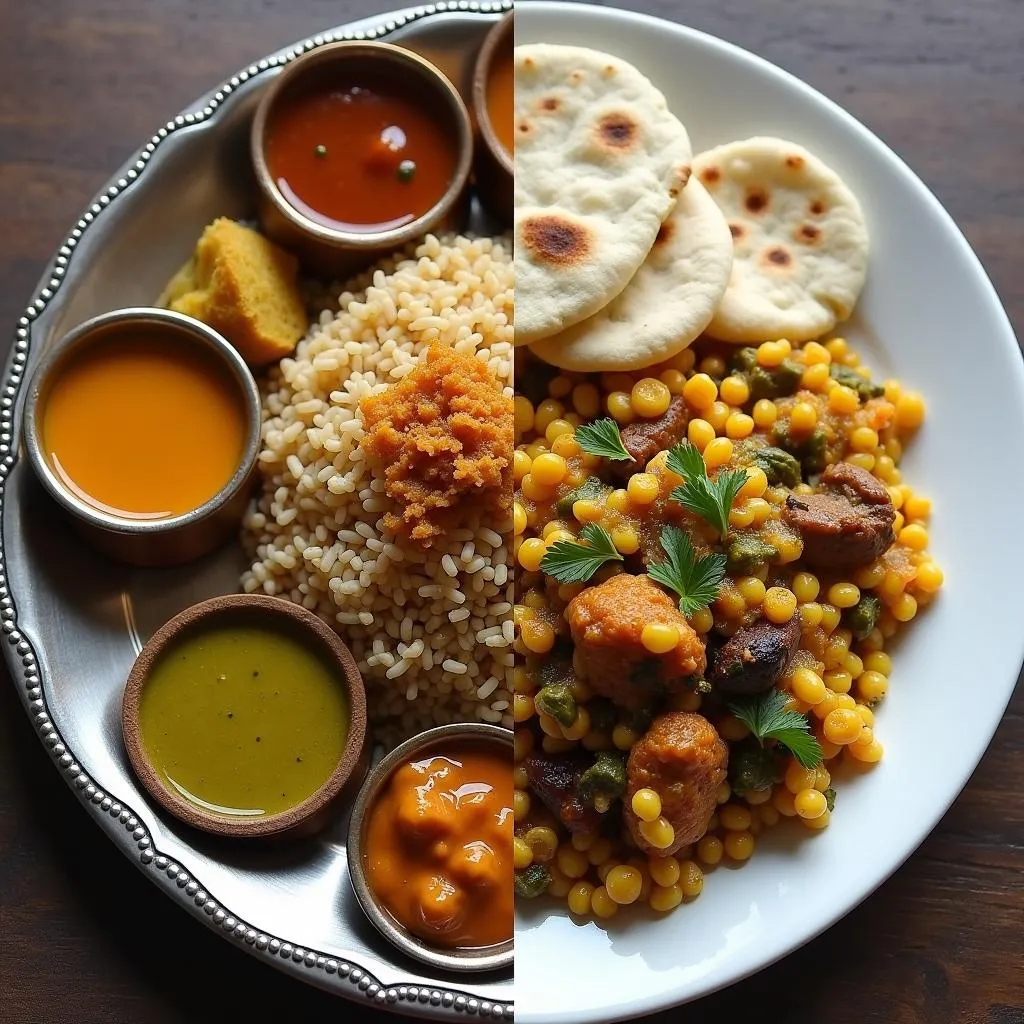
(83, 937)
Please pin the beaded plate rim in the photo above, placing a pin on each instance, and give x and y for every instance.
(334, 974)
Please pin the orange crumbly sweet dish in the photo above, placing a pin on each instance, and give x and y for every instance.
(245, 287)
(443, 435)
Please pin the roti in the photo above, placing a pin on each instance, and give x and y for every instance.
(667, 304)
(600, 162)
(799, 238)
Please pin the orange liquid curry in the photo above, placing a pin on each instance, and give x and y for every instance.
(362, 156)
(501, 97)
(438, 852)
(144, 426)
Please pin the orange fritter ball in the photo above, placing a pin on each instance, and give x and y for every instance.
(443, 437)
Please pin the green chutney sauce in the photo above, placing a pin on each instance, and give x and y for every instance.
(244, 721)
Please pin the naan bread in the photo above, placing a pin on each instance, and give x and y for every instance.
(667, 304)
(800, 242)
(600, 161)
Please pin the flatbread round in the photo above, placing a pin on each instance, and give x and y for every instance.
(799, 237)
(666, 305)
(600, 161)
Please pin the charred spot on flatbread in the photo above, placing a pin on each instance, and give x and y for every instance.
(736, 230)
(556, 240)
(549, 104)
(808, 234)
(777, 258)
(665, 233)
(682, 176)
(710, 176)
(524, 128)
(794, 161)
(756, 200)
(817, 207)
(617, 131)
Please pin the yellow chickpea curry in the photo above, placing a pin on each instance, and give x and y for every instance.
(713, 555)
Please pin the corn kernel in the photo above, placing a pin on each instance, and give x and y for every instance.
(623, 884)
(646, 806)
(739, 425)
(809, 803)
(738, 845)
(843, 400)
(700, 391)
(765, 412)
(620, 407)
(709, 850)
(659, 833)
(804, 417)
(650, 397)
(660, 637)
(664, 871)
(770, 353)
(842, 726)
(779, 605)
(734, 390)
(718, 452)
(601, 904)
(665, 898)
(643, 488)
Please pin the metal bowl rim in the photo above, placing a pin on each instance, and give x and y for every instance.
(363, 240)
(84, 334)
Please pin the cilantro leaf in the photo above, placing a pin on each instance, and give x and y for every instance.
(571, 562)
(686, 461)
(695, 580)
(767, 717)
(602, 438)
(698, 493)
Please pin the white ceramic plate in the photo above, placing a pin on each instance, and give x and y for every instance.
(930, 317)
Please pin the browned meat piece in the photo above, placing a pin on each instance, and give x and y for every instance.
(755, 657)
(645, 438)
(554, 778)
(684, 760)
(848, 523)
(607, 622)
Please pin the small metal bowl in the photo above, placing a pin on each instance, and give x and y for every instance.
(333, 252)
(313, 813)
(488, 958)
(495, 165)
(147, 542)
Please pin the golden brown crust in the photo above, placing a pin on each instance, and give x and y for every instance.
(245, 287)
(683, 759)
(607, 622)
(443, 437)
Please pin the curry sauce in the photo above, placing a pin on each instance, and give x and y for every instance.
(438, 850)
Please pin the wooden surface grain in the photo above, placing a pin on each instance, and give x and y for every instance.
(83, 937)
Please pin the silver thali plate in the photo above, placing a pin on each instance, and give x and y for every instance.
(73, 623)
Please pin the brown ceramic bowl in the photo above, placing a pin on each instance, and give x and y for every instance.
(302, 819)
(495, 165)
(147, 542)
(330, 251)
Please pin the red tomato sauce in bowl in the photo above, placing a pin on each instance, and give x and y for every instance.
(359, 154)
